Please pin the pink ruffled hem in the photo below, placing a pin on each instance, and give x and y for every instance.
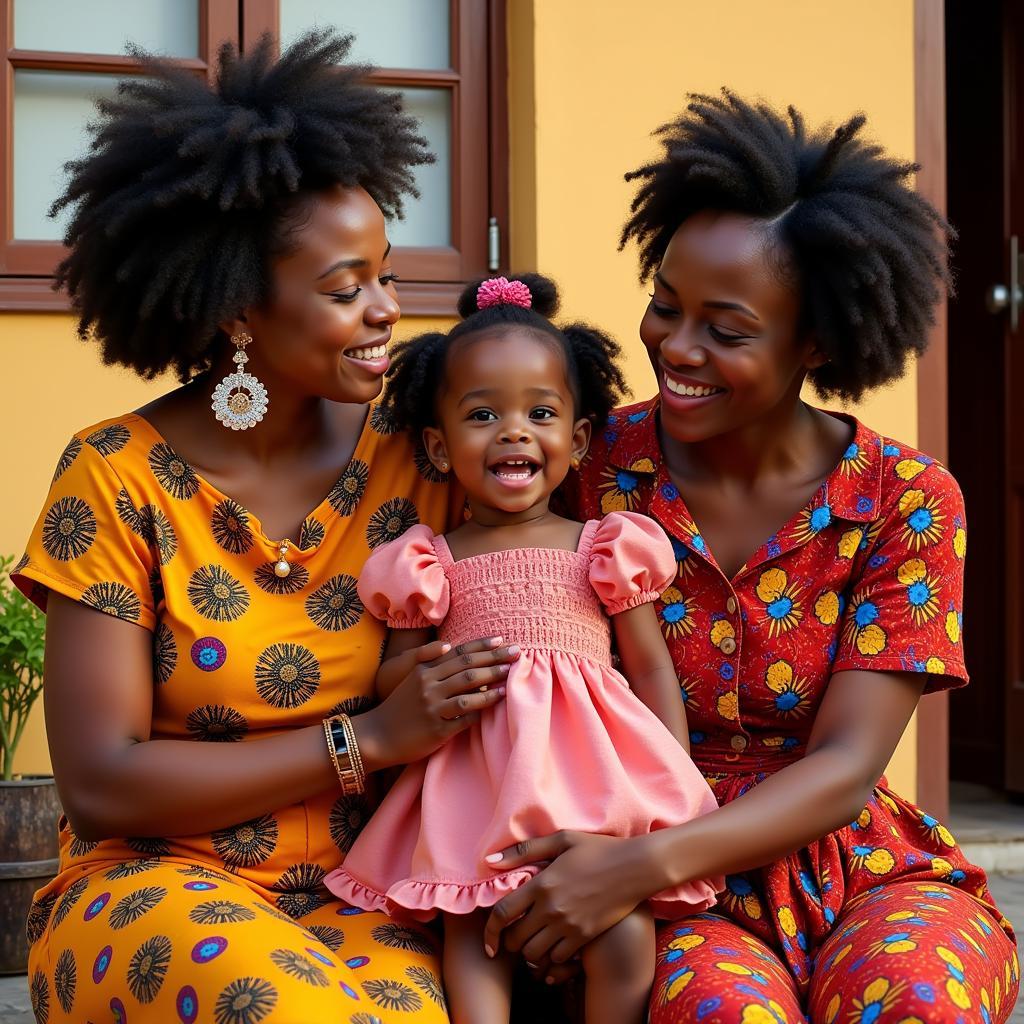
(409, 622)
(421, 900)
(686, 899)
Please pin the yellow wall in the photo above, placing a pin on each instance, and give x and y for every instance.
(589, 79)
(55, 385)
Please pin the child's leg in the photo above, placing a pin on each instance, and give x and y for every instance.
(479, 988)
(619, 969)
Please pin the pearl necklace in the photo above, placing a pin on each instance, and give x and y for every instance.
(282, 567)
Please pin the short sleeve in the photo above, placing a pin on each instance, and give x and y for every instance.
(83, 545)
(905, 610)
(631, 561)
(403, 582)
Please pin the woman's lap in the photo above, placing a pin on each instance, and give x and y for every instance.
(911, 952)
(166, 945)
(711, 970)
(916, 950)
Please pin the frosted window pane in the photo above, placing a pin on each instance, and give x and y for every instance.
(428, 219)
(401, 34)
(170, 27)
(51, 109)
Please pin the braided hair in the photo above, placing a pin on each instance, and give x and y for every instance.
(417, 371)
(867, 253)
(189, 191)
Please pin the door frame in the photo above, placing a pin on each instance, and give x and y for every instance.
(932, 368)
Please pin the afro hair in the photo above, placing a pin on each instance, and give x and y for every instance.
(188, 190)
(867, 253)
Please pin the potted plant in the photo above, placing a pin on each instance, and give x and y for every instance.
(29, 806)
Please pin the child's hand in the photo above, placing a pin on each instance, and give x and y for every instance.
(443, 693)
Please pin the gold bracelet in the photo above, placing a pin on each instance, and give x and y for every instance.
(345, 753)
(353, 748)
(333, 752)
(354, 752)
(355, 758)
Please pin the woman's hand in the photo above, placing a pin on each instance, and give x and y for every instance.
(443, 692)
(592, 883)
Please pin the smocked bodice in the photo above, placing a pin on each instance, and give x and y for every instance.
(539, 598)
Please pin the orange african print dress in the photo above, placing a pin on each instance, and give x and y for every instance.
(234, 926)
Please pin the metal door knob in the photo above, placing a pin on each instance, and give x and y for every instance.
(1009, 297)
(997, 298)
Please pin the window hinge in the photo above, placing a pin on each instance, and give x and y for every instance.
(493, 244)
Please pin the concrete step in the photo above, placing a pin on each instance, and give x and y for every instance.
(1005, 857)
(988, 826)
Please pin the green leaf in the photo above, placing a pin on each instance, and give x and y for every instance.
(22, 647)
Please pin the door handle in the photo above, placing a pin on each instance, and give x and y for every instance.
(1011, 296)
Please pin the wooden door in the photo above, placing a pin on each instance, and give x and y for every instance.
(1013, 320)
(985, 175)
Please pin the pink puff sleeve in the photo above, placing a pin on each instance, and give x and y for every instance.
(404, 584)
(631, 561)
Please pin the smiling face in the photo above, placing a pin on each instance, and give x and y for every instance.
(506, 421)
(325, 328)
(721, 329)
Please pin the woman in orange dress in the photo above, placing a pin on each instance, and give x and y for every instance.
(203, 620)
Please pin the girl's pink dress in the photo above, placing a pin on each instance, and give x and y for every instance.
(570, 747)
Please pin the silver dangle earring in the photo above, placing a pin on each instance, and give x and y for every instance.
(240, 400)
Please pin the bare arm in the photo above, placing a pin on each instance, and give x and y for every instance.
(114, 780)
(647, 666)
(595, 881)
(855, 733)
(398, 659)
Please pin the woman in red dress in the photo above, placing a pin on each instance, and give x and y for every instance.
(818, 595)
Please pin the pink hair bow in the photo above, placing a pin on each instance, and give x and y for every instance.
(500, 291)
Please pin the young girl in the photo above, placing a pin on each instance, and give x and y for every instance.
(506, 402)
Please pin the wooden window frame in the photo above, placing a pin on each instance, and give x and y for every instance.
(432, 277)
(26, 267)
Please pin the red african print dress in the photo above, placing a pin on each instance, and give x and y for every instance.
(884, 916)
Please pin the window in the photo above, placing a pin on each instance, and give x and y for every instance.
(445, 56)
(59, 56)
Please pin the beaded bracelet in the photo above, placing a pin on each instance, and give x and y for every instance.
(344, 751)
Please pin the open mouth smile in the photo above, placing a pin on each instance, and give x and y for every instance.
(685, 390)
(691, 392)
(514, 470)
(376, 352)
(371, 358)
